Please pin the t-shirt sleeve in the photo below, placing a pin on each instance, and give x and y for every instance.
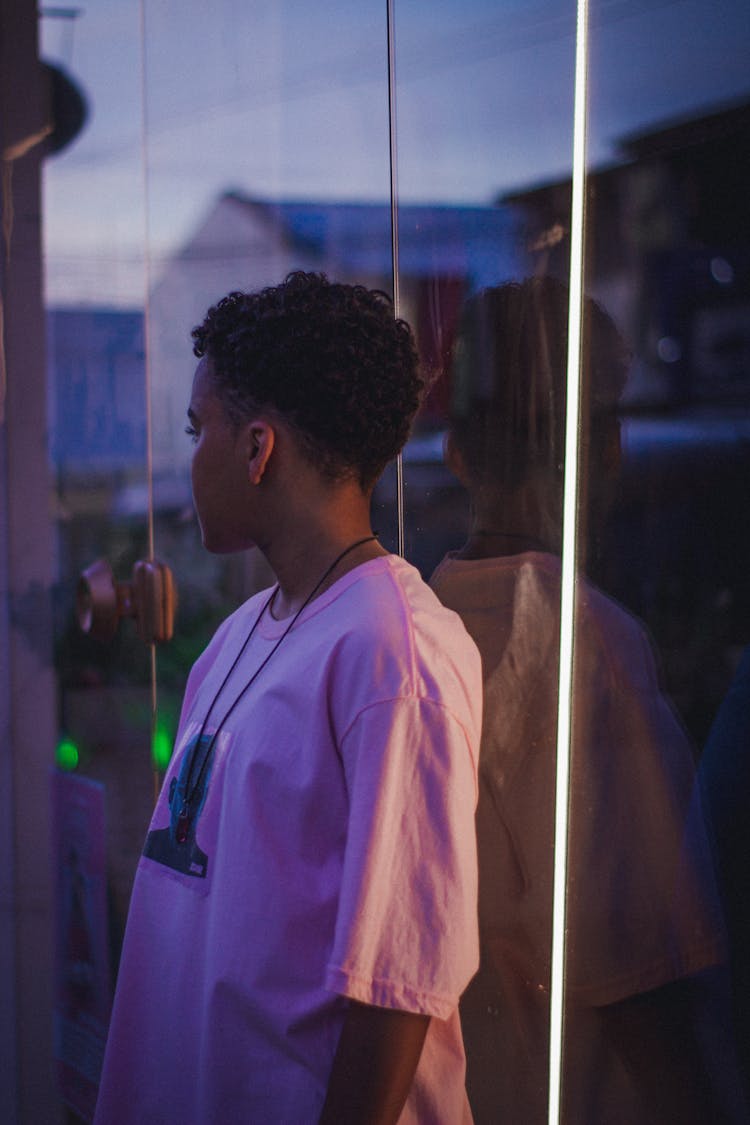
(406, 930)
(642, 906)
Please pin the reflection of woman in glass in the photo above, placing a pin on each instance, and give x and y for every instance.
(642, 933)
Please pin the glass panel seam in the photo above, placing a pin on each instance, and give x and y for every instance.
(146, 283)
(393, 162)
(147, 389)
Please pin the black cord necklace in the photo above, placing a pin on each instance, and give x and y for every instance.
(190, 791)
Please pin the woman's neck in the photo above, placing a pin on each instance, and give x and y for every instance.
(489, 543)
(507, 524)
(318, 571)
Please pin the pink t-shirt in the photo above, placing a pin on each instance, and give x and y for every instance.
(333, 856)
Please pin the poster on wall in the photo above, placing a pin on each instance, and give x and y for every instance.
(83, 983)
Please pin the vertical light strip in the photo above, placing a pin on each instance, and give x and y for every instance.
(393, 147)
(569, 554)
(147, 365)
(146, 285)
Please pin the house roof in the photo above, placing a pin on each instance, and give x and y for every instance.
(478, 242)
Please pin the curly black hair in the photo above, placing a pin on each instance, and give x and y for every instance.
(329, 358)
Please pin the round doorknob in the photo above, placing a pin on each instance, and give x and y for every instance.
(150, 598)
(96, 601)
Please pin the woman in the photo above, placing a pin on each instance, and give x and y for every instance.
(304, 914)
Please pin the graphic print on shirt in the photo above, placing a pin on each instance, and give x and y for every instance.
(176, 845)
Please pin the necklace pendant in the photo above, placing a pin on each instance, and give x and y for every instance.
(183, 824)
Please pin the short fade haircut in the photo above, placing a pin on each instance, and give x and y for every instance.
(329, 358)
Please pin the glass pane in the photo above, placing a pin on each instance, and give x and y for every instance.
(265, 149)
(484, 101)
(659, 623)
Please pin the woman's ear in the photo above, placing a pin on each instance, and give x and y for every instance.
(260, 438)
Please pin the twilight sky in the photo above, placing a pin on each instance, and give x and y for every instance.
(288, 100)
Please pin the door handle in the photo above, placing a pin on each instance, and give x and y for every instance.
(150, 597)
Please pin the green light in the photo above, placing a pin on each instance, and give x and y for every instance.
(67, 755)
(161, 747)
